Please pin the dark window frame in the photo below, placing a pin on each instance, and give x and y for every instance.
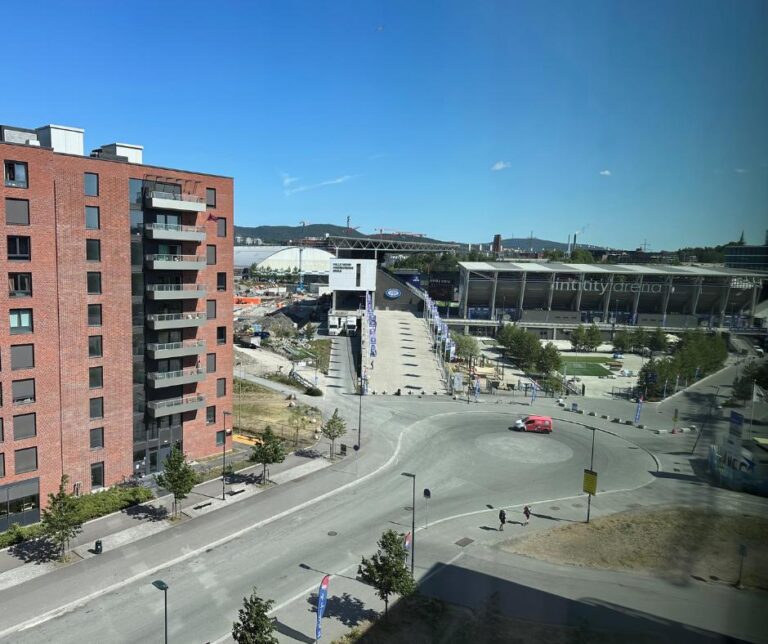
(28, 346)
(9, 164)
(221, 277)
(85, 184)
(100, 353)
(95, 307)
(17, 431)
(21, 330)
(16, 223)
(89, 211)
(26, 399)
(100, 401)
(210, 419)
(221, 387)
(96, 277)
(210, 305)
(18, 254)
(99, 433)
(25, 450)
(89, 244)
(221, 227)
(96, 370)
(208, 193)
(15, 289)
(211, 252)
(208, 358)
(99, 468)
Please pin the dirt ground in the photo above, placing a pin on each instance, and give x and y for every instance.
(255, 407)
(673, 542)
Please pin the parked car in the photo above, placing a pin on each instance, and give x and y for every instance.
(540, 424)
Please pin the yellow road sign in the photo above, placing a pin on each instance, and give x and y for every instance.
(590, 482)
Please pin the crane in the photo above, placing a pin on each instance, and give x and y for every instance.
(350, 228)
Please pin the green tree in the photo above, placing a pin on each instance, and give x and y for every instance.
(581, 256)
(523, 346)
(554, 255)
(334, 428)
(742, 389)
(548, 360)
(578, 337)
(271, 450)
(61, 520)
(466, 346)
(254, 625)
(593, 338)
(621, 341)
(638, 339)
(309, 331)
(178, 478)
(658, 340)
(297, 419)
(387, 571)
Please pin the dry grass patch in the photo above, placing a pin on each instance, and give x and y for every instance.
(673, 542)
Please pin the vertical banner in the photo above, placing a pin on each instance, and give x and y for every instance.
(533, 391)
(638, 410)
(322, 600)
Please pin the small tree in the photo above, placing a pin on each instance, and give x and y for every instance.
(638, 339)
(621, 342)
(271, 450)
(254, 625)
(297, 419)
(178, 478)
(549, 359)
(387, 571)
(742, 389)
(310, 330)
(578, 337)
(593, 338)
(466, 346)
(61, 519)
(333, 429)
(658, 340)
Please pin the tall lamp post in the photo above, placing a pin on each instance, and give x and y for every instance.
(413, 520)
(592, 469)
(360, 415)
(161, 585)
(224, 458)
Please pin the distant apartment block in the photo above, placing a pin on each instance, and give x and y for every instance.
(117, 316)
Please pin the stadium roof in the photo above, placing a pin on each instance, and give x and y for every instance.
(608, 269)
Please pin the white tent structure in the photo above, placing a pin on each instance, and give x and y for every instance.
(313, 261)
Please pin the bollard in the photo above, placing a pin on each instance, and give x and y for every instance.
(97, 547)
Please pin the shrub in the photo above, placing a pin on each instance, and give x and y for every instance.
(16, 534)
(112, 500)
(313, 391)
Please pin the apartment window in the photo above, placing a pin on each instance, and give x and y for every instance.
(97, 475)
(221, 227)
(17, 212)
(26, 460)
(2, 465)
(20, 284)
(92, 250)
(16, 174)
(96, 408)
(23, 391)
(91, 184)
(210, 309)
(210, 363)
(221, 387)
(95, 348)
(2, 435)
(220, 438)
(210, 255)
(221, 335)
(210, 197)
(357, 275)
(92, 220)
(94, 315)
(22, 356)
(96, 438)
(210, 415)
(94, 283)
(21, 321)
(19, 248)
(221, 281)
(24, 426)
(95, 377)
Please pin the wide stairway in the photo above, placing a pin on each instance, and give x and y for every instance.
(405, 360)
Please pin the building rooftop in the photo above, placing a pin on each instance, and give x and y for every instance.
(608, 269)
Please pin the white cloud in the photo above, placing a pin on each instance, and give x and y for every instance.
(329, 182)
(500, 165)
(740, 170)
(605, 173)
(288, 179)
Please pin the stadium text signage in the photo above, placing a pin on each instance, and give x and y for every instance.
(593, 286)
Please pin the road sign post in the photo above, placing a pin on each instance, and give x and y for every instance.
(590, 487)
(427, 497)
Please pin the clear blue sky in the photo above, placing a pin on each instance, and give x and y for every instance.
(637, 120)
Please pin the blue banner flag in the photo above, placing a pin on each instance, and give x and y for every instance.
(322, 599)
(639, 408)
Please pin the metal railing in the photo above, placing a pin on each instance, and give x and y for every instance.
(169, 346)
(168, 375)
(176, 196)
(167, 317)
(200, 259)
(176, 228)
(176, 402)
(175, 287)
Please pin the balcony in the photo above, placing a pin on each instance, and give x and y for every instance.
(175, 291)
(159, 408)
(157, 379)
(174, 201)
(163, 350)
(174, 232)
(175, 262)
(161, 321)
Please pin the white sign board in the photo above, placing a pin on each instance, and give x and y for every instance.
(352, 275)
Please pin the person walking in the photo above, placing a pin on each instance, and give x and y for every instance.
(502, 519)
(527, 513)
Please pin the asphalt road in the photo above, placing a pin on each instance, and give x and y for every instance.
(467, 457)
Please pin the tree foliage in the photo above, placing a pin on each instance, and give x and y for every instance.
(466, 346)
(578, 337)
(521, 345)
(621, 341)
(638, 339)
(658, 340)
(548, 360)
(271, 450)
(334, 428)
(254, 625)
(61, 520)
(751, 375)
(387, 571)
(593, 338)
(178, 477)
(581, 256)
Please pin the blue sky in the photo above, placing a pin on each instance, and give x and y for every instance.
(632, 120)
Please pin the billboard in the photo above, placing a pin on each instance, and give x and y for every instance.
(352, 275)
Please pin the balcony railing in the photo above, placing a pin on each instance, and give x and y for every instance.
(174, 231)
(175, 288)
(171, 403)
(176, 228)
(172, 317)
(170, 375)
(199, 259)
(174, 196)
(174, 346)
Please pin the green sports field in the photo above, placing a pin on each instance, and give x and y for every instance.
(584, 366)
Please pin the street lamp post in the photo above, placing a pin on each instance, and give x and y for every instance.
(224, 459)
(360, 415)
(592, 469)
(413, 520)
(161, 585)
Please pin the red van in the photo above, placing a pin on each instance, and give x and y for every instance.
(541, 424)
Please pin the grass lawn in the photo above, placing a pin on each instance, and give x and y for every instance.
(256, 406)
(594, 359)
(578, 368)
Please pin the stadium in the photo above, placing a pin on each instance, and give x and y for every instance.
(546, 296)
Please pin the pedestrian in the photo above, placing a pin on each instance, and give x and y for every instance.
(502, 519)
(527, 513)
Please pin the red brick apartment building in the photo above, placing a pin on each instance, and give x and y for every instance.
(117, 319)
